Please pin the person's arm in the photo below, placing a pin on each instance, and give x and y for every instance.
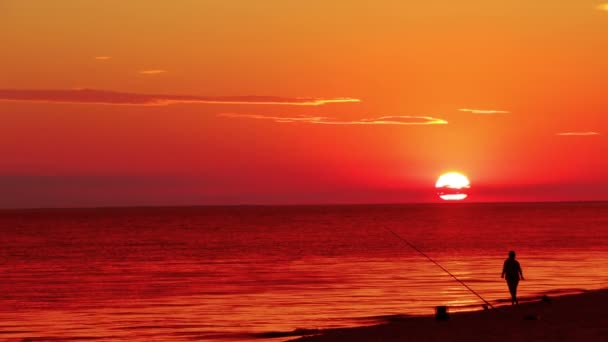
(521, 274)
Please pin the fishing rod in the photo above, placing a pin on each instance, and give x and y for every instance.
(443, 268)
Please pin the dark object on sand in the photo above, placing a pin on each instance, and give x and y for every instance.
(441, 313)
(532, 317)
(545, 299)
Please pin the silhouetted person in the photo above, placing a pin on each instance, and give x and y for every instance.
(512, 272)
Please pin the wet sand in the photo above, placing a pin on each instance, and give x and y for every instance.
(580, 317)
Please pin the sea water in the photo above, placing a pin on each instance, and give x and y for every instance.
(238, 273)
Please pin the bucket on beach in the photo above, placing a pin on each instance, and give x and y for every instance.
(441, 313)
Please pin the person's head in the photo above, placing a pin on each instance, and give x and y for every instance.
(511, 254)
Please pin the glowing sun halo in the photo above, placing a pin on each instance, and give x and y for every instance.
(452, 186)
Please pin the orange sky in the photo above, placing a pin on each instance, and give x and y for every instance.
(274, 101)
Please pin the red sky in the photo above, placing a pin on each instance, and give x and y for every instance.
(281, 102)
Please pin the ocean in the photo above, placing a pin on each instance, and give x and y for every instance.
(247, 273)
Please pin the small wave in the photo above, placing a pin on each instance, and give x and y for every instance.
(384, 318)
(6, 332)
(66, 338)
(295, 332)
(162, 327)
(539, 296)
(566, 291)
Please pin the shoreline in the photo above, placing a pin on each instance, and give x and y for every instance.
(570, 317)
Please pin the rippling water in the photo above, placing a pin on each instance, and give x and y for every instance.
(229, 273)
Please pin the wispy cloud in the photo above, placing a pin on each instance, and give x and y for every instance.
(383, 120)
(602, 7)
(484, 111)
(152, 72)
(577, 133)
(92, 96)
(103, 58)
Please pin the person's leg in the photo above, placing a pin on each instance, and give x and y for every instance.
(513, 290)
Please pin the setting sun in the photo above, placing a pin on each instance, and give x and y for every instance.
(451, 186)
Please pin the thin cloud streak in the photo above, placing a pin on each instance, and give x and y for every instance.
(577, 133)
(484, 111)
(152, 72)
(103, 58)
(384, 120)
(93, 96)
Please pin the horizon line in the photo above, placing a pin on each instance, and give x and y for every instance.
(336, 204)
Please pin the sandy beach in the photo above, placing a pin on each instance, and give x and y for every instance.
(579, 317)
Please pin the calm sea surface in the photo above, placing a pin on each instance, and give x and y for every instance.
(229, 273)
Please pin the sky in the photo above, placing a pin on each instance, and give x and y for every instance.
(153, 102)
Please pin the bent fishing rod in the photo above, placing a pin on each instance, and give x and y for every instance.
(439, 265)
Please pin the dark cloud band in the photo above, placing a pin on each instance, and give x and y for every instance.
(92, 96)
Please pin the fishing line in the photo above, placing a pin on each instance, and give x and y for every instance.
(439, 265)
